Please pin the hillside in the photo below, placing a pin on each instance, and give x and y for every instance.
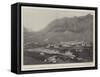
(64, 29)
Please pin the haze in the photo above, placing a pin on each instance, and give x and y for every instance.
(37, 18)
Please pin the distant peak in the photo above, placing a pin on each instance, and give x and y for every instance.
(89, 14)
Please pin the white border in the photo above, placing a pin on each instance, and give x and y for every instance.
(56, 66)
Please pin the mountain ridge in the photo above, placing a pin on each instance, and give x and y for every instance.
(65, 29)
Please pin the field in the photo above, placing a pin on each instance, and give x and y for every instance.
(51, 54)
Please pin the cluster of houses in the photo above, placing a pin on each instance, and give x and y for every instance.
(69, 44)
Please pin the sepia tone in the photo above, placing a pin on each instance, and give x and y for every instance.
(55, 37)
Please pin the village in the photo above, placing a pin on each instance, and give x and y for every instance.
(63, 52)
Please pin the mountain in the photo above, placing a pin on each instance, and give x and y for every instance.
(74, 24)
(65, 29)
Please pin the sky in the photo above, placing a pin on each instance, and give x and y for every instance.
(37, 18)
